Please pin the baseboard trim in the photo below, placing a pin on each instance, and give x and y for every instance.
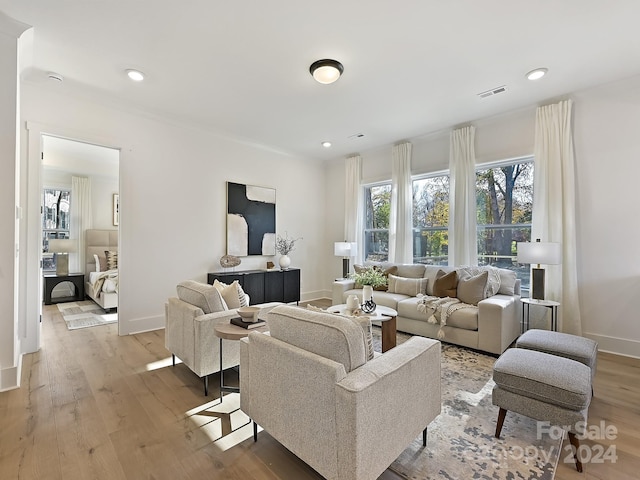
(141, 325)
(618, 346)
(10, 377)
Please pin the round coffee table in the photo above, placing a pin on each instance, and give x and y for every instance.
(385, 315)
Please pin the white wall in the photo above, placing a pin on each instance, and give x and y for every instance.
(172, 198)
(607, 149)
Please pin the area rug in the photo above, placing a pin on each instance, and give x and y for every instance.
(461, 442)
(85, 314)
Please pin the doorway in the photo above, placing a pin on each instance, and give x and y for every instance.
(89, 176)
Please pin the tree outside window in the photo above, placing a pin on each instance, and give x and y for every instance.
(431, 220)
(377, 199)
(56, 217)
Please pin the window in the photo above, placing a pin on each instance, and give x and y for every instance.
(55, 222)
(504, 199)
(377, 202)
(431, 220)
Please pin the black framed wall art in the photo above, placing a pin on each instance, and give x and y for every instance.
(251, 220)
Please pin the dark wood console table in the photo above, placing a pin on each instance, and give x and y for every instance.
(264, 285)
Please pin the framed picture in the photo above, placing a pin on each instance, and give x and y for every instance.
(251, 220)
(116, 209)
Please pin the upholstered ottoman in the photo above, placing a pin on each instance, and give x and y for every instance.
(544, 387)
(580, 349)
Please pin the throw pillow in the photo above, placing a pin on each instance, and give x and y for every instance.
(232, 294)
(112, 259)
(206, 297)
(471, 289)
(446, 284)
(97, 260)
(407, 286)
(493, 278)
(507, 281)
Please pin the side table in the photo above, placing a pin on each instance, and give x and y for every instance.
(51, 280)
(526, 305)
(228, 331)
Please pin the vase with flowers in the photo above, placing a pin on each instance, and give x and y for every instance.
(369, 278)
(284, 246)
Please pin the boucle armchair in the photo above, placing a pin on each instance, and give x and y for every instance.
(310, 385)
(189, 322)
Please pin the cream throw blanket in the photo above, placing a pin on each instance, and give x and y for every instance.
(439, 309)
(104, 281)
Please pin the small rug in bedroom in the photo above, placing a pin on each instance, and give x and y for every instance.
(461, 442)
(85, 314)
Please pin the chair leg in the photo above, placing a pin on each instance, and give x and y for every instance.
(206, 385)
(255, 431)
(575, 442)
(501, 415)
(424, 437)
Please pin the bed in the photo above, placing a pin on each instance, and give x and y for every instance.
(101, 284)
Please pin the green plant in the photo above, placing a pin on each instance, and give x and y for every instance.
(370, 276)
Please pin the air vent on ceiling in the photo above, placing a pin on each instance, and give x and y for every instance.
(493, 91)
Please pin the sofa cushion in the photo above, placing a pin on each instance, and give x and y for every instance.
(464, 318)
(206, 297)
(413, 270)
(493, 277)
(507, 281)
(431, 273)
(472, 289)
(331, 336)
(363, 320)
(446, 284)
(407, 286)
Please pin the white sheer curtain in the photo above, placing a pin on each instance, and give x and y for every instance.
(81, 220)
(401, 218)
(554, 205)
(353, 223)
(463, 248)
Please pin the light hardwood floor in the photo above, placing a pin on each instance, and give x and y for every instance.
(94, 405)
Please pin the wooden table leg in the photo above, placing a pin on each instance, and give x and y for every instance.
(388, 334)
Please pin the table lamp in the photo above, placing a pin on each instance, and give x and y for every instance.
(345, 250)
(538, 252)
(62, 247)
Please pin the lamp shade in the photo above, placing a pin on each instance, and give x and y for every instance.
(345, 249)
(62, 245)
(547, 253)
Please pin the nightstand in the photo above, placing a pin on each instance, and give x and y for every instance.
(51, 280)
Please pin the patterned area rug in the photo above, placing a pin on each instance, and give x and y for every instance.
(85, 314)
(461, 442)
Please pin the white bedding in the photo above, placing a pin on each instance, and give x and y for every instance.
(106, 282)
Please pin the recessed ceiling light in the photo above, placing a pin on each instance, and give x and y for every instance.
(326, 71)
(326, 144)
(135, 75)
(537, 74)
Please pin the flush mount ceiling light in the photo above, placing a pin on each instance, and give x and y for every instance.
(537, 74)
(326, 71)
(135, 75)
(326, 144)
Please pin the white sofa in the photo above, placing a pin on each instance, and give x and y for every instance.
(189, 334)
(493, 329)
(310, 385)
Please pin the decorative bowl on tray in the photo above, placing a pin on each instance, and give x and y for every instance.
(249, 314)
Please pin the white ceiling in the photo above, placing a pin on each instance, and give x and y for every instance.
(411, 67)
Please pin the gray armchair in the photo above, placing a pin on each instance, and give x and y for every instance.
(309, 384)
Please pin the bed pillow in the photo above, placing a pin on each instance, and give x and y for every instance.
(472, 289)
(112, 259)
(207, 297)
(232, 294)
(407, 286)
(97, 260)
(446, 284)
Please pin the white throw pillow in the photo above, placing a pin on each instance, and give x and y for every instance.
(232, 294)
(407, 286)
(97, 260)
(507, 281)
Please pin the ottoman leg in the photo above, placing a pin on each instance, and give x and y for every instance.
(575, 442)
(501, 415)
